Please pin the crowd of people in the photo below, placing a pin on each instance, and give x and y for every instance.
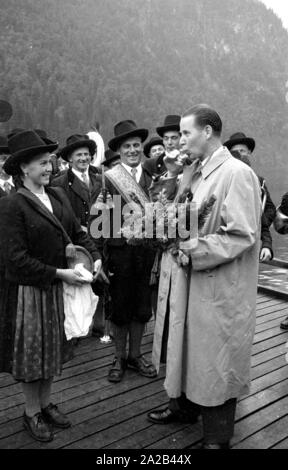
(204, 312)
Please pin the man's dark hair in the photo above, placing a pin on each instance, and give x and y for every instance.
(206, 116)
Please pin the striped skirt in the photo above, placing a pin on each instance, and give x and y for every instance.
(40, 345)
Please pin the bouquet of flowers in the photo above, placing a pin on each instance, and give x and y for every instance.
(163, 224)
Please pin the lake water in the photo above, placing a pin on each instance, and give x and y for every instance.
(272, 276)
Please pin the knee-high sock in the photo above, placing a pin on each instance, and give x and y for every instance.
(120, 338)
(136, 331)
(45, 392)
(32, 399)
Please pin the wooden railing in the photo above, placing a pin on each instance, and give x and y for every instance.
(278, 263)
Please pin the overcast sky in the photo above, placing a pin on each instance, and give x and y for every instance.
(280, 7)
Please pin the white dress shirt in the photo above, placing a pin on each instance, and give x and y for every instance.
(137, 168)
(44, 198)
(80, 173)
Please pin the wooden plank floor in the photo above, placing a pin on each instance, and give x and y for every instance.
(108, 416)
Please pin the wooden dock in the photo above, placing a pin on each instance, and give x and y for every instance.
(113, 416)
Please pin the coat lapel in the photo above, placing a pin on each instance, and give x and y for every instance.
(56, 204)
(93, 180)
(78, 187)
(218, 159)
(145, 180)
(38, 206)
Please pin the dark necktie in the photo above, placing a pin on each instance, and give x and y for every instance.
(197, 168)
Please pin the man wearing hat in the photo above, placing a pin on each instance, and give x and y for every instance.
(155, 152)
(6, 181)
(157, 147)
(129, 266)
(170, 132)
(111, 159)
(80, 180)
(239, 142)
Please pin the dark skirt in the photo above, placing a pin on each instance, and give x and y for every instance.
(38, 346)
(8, 308)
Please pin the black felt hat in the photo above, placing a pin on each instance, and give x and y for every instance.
(75, 142)
(22, 147)
(171, 123)
(153, 141)
(110, 157)
(3, 144)
(240, 138)
(125, 129)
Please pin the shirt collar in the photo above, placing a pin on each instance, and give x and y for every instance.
(217, 158)
(214, 154)
(129, 168)
(80, 173)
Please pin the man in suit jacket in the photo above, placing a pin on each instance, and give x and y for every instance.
(81, 179)
(130, 266)
(245, 146)
(155, 152)
(169, 138)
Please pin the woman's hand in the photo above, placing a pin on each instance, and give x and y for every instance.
(97, 269)
(70, 277)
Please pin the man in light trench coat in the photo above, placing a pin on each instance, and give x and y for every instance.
(211, 305)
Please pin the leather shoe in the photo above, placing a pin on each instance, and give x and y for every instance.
(38, 428)
(166, 416)
(141, 365)
(53, 416)
(284, 324)
(117, 370)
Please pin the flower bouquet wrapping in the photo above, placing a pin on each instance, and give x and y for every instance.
(163, 224)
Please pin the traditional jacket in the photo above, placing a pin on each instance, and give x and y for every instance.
(144, 184)
(33, 246)
(268, 216)
(78, 194)
(130, 265)
(155, 166)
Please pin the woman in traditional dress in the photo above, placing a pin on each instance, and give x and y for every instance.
(37, 224)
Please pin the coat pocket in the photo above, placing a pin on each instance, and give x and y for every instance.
(207, 287)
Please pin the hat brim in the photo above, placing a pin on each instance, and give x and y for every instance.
(112, 159)
(242, 140)
(65, 152)
(149, 145)
(117, 141)
(161, 130)
(12, 164)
